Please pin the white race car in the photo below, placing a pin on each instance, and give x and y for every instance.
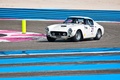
(75, 28)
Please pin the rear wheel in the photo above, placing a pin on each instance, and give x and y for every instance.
(77, 37)
(98, 35)
(50, 39)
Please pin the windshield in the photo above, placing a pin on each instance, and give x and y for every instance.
(74, 20)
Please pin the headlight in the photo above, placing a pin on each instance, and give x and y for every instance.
(69, 31)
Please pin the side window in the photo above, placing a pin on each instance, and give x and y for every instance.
(89, 22)
(86, 22)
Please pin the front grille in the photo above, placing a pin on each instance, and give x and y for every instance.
(56, 33)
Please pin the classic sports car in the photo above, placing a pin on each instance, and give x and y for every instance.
(75, 28)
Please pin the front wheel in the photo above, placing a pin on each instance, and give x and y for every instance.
(98, 35)
(77, 37)
(50, 39)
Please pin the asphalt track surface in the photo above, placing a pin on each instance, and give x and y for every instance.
(60, 65)
(85, 66)
(111, 38)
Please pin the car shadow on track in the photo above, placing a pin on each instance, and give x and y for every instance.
(85, 40)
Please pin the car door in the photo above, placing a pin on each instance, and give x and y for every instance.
(89, 28)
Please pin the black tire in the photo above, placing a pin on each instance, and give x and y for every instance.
(98, 35)
(77, 37)
(50, 39)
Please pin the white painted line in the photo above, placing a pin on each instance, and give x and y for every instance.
(59, 53)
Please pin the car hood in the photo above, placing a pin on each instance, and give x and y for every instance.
(62, 27)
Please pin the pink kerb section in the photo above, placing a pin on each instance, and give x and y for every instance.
(9, 39)
(17, 36)
(33, 34)
(7, 31)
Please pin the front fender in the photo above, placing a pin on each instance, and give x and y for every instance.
(77, 29)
